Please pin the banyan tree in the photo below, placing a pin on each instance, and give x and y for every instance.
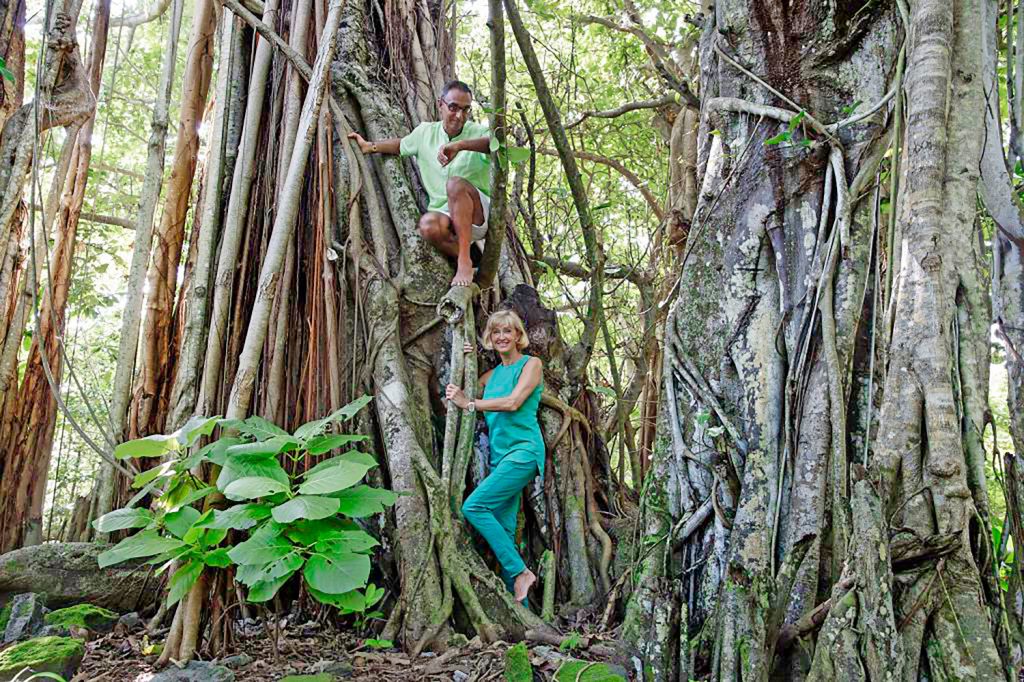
(841, 230)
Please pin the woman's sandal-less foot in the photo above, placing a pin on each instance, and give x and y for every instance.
(524, 581)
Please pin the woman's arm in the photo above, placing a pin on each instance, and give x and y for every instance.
(529, 379)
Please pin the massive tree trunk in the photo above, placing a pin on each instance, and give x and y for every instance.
(819, 460)
(319, 289)
(30, 409)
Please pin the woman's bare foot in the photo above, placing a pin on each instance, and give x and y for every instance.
(524, 581)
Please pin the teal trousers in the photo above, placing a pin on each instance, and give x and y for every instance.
(493, 508)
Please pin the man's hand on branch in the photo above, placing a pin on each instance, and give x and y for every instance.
(364, 146)
(447, 153)
(455, 394)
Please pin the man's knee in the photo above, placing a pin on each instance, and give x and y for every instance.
(430, 227)
(457, 186)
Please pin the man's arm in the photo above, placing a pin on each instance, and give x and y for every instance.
(477, 144)
(389, 146)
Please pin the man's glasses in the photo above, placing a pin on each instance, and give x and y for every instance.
(455, 108)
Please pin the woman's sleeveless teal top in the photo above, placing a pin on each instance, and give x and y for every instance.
(514, 434)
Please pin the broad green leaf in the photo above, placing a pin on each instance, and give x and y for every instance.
(350, 410)
(178, 522)
(350, 456)
(494, 144)
(142, 544)
(182, 581)
(250, 574)
(216, 451)
(363, 500)
(257, 427)
(306, 533)
(217, 558)
(264, 590)
(337, 573)
(305, 507)
(266, 545)
(238, 517)
(185, 495)
(207, 537)
(322, 444)
(781, 137)
(194, 429)
(518, 154)
(341, 474)
(345, 541)
(156, 445)
(119, 519)
(160, 470)
(251, 465)
(352, 601)
(252, 487)
(270, 446)
(311, 429)
(374, 594)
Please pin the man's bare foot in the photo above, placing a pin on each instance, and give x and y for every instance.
(524, 581)
(464, 274)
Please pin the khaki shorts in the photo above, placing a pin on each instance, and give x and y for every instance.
(479, 231)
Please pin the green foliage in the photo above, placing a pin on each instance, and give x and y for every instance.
(787, 135)
(81, 615)
(517, 664)
(571, 642)
(300, 523)
(4, 71)
(584, 671)
(38, 652)
(5, 616)
(379, 643)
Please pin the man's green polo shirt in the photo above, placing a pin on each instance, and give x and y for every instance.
(426, 140)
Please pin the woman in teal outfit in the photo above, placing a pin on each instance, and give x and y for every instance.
(511, 396)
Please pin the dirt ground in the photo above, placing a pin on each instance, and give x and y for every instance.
(263, 654)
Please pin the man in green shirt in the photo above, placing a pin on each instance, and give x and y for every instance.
(453, 155)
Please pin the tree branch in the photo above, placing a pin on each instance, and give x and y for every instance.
(135, 20)
(665, 100)
(99, 218)
(595, 254)
(613, 271)
(630, 176)
(499, 130)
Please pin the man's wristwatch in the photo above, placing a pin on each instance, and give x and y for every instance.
(373, 148)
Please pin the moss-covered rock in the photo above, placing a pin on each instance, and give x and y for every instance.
(594, 672)
(60, 655)
(5, 617)
(83, 616)
(68, 574)
(517, 664)
(24, 619)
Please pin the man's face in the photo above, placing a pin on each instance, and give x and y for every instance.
(454, 108)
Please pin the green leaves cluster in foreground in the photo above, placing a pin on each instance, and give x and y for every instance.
(301, 523)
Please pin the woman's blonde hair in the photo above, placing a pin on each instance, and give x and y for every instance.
(505, 318)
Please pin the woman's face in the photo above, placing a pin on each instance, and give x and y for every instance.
(503, 338)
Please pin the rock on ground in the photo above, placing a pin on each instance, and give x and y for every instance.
(68, 573)
(23, 617)
(195, 671)
(95, 618)
(60, 655)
